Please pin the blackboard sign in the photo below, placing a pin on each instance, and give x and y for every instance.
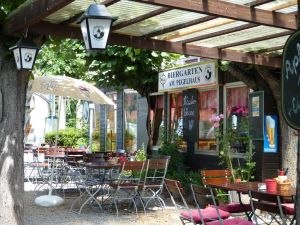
(290, 81)
(190, 112)
(256, 115)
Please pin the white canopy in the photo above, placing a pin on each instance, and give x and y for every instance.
(68, 87)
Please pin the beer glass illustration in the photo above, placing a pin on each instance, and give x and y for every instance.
(270, 123)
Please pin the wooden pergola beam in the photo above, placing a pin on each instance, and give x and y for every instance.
(218, 33)
(109, 2)
(30, 13)
(75, 17)
(63, 31)
(272, 49)
(232, 11)
(252, 40)
(140, 18)
(180, 26)
(258, 2)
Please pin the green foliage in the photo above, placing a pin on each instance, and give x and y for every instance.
(246, 171)
(227, 141)
(71, 113)
(68, 137)
(177, 161)
(140, 154)
(224, 65)
(63, 57)
(120, 66)
(187, 177)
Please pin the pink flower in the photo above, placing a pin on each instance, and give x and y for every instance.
(215, 119)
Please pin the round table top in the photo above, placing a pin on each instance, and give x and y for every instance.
(99, 165)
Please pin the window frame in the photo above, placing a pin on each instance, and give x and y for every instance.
(226, 87)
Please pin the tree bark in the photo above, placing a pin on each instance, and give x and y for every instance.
(13, 85)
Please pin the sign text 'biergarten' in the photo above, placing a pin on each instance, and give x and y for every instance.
(200, 74)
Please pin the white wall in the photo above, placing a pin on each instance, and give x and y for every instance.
(39, 111)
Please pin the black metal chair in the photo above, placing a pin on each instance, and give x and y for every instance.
(269, 203)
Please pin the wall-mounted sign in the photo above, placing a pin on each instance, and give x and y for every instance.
(200, 74)
(270, 133)
(190, 115)
(256, 115)
(255, 106)
(290, 81)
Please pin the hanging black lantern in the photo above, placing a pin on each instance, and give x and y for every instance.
(95, 26)
(25, 52)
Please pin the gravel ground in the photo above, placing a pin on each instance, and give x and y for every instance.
(37, 215)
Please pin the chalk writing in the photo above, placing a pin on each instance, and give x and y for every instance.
(295, 106)
(292, 65)
(190, 114)
(291, 81)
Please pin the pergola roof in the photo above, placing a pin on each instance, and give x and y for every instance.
(236, 30)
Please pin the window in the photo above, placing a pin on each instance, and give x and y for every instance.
(208, 105)
(236, 111)
(130, 114)
(111, 123)
(176, 119)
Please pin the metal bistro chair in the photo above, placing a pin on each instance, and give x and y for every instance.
(127, 184)
(268, 203)
(88, 186)
(206, 196)
(154, 180)
(210, 177)
(188, 215)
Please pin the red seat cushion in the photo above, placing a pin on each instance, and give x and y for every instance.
(208, 214)
(235, 207)
(289, 208)
(233, 221)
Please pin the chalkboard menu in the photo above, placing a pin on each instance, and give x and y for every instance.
(290, 81)
(256, 115)
(190, 114)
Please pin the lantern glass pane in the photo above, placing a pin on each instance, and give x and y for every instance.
(84, 32)
(28, 56)
(17, 58)
(99, 30)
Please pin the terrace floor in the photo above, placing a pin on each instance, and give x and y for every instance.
(37, 215)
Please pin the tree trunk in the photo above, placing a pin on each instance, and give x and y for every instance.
(13, 85)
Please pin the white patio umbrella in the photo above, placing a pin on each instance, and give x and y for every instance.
(68, 87)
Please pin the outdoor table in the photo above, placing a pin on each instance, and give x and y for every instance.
(245, 187)
(97, 184)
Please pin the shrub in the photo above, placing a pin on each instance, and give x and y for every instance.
(176, 162)
(68, 137)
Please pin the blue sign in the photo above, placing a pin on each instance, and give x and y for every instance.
(270, 133)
